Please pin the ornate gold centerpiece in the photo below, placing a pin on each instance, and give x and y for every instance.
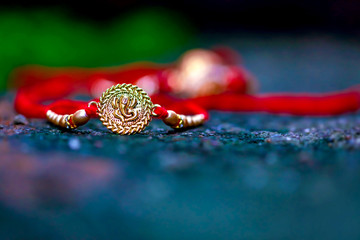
(125, 109)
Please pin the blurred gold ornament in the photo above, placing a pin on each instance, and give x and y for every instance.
(198, 73)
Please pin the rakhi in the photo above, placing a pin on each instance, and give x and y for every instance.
(125, 109)
(181, 93)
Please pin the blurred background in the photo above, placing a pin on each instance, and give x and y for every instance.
(220, 181)
(107, 33)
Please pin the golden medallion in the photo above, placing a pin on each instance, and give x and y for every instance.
(125, 109)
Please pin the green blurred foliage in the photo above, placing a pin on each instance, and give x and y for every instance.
(54, 39)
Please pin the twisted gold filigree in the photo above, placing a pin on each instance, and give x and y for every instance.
(125, 109)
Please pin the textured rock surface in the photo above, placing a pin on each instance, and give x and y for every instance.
(248, 176)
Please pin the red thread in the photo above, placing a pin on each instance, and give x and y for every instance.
(91, 110)
(161, 112)
(41, 85)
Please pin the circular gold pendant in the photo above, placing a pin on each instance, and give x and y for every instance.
(125, 109)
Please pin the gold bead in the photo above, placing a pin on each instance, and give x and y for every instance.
(172, 119)
(80, 118)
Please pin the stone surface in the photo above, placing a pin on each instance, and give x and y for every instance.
(20, 119)
(238, 176)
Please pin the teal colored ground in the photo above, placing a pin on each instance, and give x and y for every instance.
(237, 177)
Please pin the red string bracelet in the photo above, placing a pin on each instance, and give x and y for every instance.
(125, 108)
